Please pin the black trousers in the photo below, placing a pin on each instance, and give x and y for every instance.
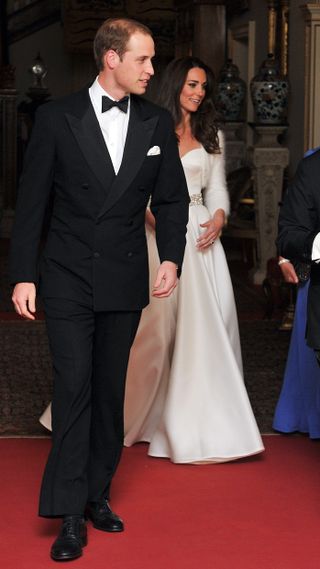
(90, 352)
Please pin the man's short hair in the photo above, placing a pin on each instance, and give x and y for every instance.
(115, 34)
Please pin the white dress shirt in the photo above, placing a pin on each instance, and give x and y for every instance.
(113, 124)
(315, 255)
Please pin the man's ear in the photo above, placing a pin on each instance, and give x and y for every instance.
(111, 59)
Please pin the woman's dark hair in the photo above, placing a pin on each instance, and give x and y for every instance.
(205, 121)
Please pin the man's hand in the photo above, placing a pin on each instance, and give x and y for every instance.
(24, 300)
(288, 272)
(166, 280)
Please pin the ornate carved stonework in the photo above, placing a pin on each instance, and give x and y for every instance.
(268, 167)
(150, 9)
(82, 19)
(268, 136)
(235, 145)
(267, 156)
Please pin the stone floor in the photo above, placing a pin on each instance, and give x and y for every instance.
(25, 371)
(25, 365)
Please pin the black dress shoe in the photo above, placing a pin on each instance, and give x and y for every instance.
(71, 539)
(103, 517)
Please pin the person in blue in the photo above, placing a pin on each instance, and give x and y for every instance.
(298, 407)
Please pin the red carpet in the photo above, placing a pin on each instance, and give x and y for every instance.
(260, 513)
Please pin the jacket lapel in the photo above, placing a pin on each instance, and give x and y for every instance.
(140, 132)
(90, 139)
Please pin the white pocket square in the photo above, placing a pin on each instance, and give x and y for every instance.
(153, 151)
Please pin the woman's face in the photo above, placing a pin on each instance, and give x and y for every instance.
(194, 90)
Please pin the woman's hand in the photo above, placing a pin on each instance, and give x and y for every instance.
(213, 230)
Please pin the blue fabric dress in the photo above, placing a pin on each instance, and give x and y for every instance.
(298, 408)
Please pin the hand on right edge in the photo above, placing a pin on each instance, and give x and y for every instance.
(24, 300)
(288, 272)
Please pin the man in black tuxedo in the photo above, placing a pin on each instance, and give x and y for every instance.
(299, 235)
(98, 155)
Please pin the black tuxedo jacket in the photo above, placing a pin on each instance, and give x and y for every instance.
(299, 223)
(96, 247)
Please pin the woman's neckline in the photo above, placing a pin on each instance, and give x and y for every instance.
(189, 151)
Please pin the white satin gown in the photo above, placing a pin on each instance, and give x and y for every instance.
(185, 392)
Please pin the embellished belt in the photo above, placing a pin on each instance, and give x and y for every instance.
(196, 199)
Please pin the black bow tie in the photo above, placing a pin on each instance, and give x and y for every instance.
(107, 104)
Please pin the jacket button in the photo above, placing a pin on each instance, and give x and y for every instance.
(96, 255)
(142, 188)
(130, 254)
(130, 223)
(85, 186)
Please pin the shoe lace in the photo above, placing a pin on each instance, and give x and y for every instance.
(70, 526)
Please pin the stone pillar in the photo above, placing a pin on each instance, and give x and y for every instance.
(312, 76)
(201, 31)
(268, 160)
(8, 148)
(235, 146)
(209, 38)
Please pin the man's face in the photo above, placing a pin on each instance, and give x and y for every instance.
(133, 72)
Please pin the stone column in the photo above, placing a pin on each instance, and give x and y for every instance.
(209, 37)
(235, 146)
(312, 75)
(201, 31)
(8, 148)
(268, 160)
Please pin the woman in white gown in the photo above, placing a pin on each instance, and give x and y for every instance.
(185, 392)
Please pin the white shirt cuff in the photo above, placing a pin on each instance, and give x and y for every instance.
(315, 255)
